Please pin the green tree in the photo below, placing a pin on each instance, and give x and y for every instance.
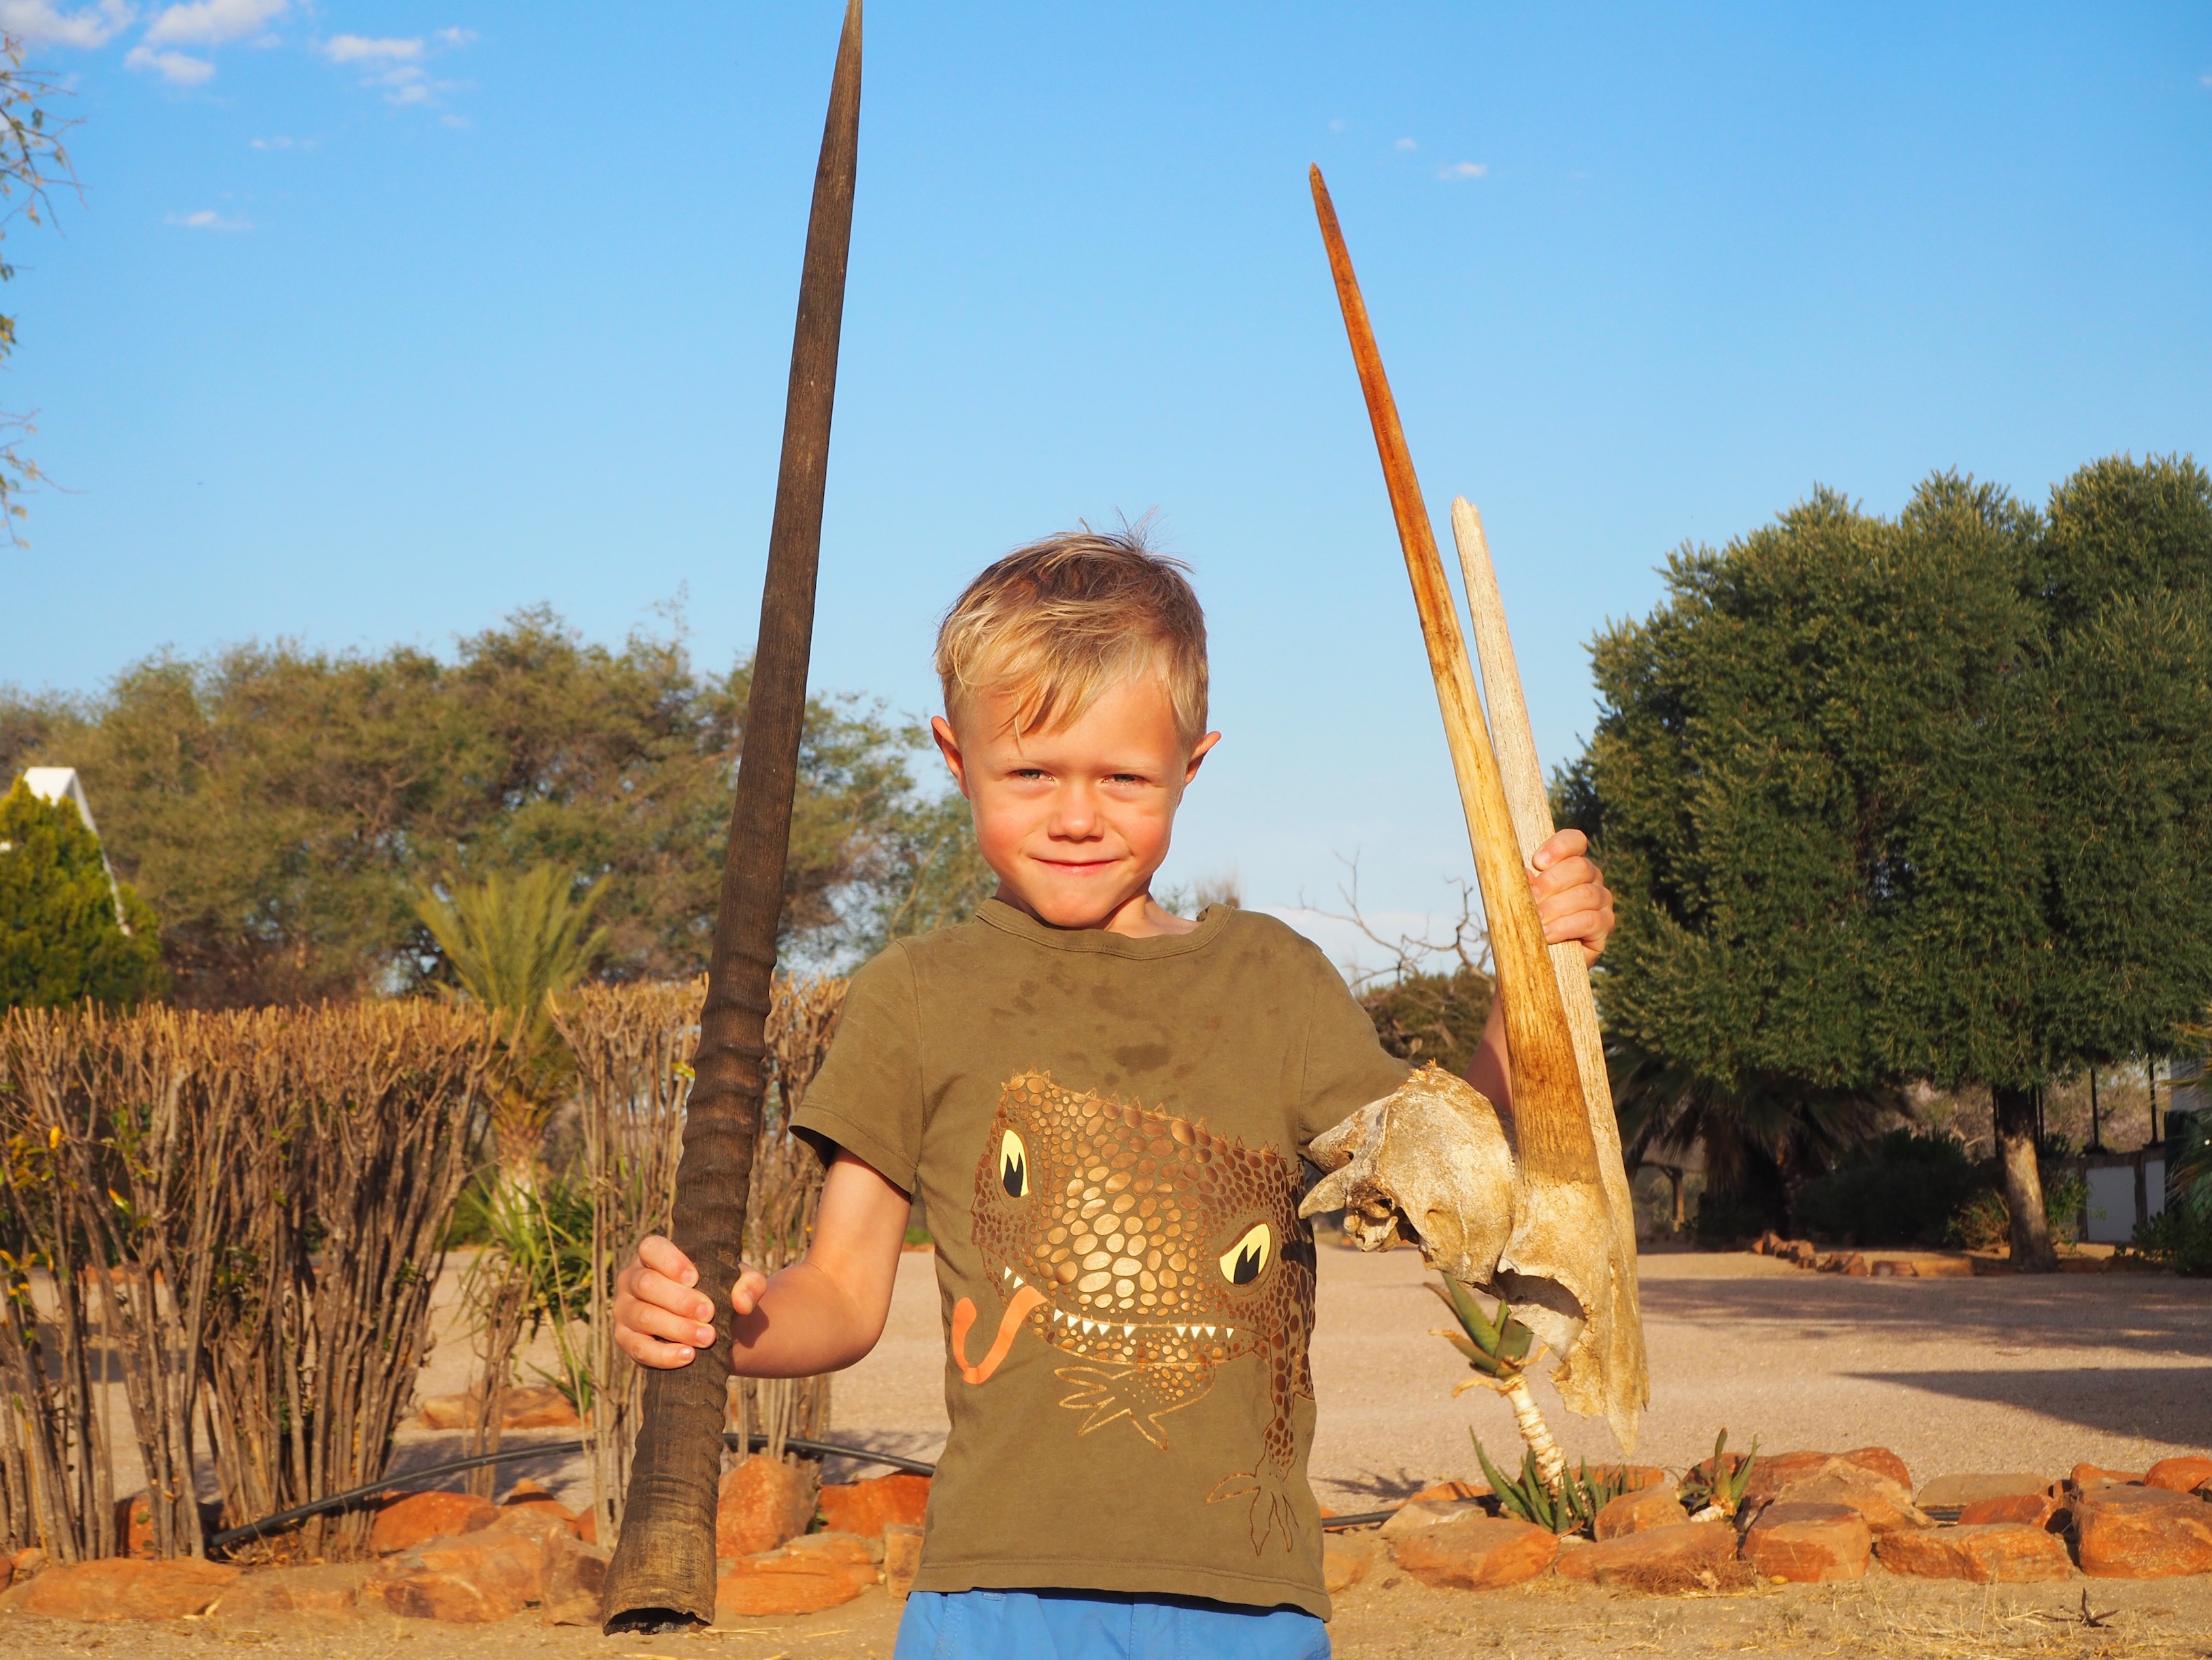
(282, 808)
(64, 936)
(1915, 799)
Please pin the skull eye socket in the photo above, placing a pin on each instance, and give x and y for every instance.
(1013, 1165)
(1247, 1259)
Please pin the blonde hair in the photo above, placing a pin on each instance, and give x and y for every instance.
(1061, 621)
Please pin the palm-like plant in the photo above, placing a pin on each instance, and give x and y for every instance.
(1502, 1350)
(514, 943)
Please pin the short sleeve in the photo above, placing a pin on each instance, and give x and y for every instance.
(1346, 1064)
(868, 1099)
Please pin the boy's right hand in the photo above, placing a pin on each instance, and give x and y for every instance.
(661, 1318)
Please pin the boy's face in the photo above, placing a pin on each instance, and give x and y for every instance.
(1075, 821)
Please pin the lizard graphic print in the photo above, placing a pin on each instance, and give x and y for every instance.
(1151, 1252)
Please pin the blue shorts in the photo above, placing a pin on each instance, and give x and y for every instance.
(1029, 1625)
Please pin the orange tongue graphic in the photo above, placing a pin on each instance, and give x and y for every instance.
(964, 1321)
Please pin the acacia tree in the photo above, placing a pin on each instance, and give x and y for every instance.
(1915, 799)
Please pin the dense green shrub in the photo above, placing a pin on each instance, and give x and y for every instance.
(1902, 1191)
(61, 939)
(2182, 1234)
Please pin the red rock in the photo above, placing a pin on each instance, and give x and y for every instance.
(1346, 1558)
(1808, 1544)
(2142, 1533)
(902, 1557)
(867, 1507)
(1640, 1511)
(2033, 1510)
(1477, 1553)
(1693, 1556)
(525, 1406)
(2091, 1475)
(537, 1407)
(1856, 1266)
(134, 1524)
(407, 1519)
(2007, 1553)
(803, 1579)
(764, 1502)
(2179, 1475)
(124, 1588)
(7, 1572)
(474, 1579)
(325, 1592)
(575, 1578)
(25, 1563)
(1886, 1503)
(1774, 1470)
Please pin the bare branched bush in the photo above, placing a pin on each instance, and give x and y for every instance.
(633, 1046)
(240, 1214)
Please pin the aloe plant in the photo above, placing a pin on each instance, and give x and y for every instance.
(1713, 1497)
(1502, 1350)
(1569, 1508)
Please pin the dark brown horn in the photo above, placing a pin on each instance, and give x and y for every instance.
(663, 1571)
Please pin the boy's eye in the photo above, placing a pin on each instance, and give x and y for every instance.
(1245, 1260)
(1014, 1166)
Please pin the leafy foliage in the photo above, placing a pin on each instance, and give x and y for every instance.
(1496, 1347)
(1922, 798)
(282, 807)
(1438, 1018)
(1904, 1190)
(61, 939)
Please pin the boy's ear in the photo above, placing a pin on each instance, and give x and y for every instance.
(948, 745)
(1198, 753)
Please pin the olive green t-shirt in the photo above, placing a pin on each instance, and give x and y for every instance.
(1106, 1135)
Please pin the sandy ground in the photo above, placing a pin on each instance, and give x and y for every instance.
(1954, 1375)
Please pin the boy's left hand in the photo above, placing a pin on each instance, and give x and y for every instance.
(1572, 897)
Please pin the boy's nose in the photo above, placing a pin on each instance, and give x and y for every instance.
(1075, 817)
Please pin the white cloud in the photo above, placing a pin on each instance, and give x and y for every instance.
(394, 63)
(43, 23)
(176, 67)
(1463, 170)
(1338, 126)
(360, 49)
(208, 219)
(283, 143)
(1406, 144)
(210, 22)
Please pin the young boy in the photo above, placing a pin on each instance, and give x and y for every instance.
(1103, 1106)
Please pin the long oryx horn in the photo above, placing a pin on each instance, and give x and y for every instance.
(663, 1571)
(1565, 1232)
(1620, 1385)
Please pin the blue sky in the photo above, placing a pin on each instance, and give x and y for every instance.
(379, 321)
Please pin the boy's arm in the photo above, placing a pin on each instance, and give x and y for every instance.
(1574, 904)
(821, 1313)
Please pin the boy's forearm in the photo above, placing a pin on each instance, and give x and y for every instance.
(804, 1324)
(1489, 1071)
